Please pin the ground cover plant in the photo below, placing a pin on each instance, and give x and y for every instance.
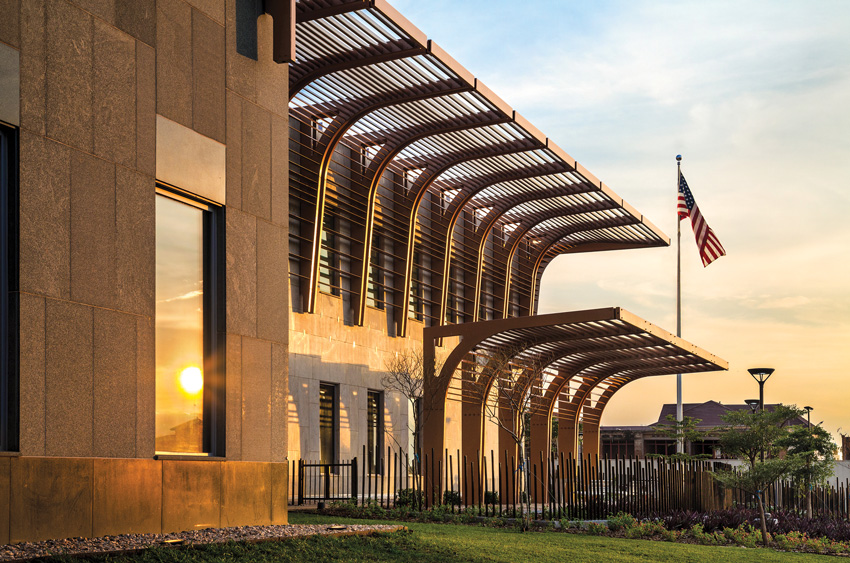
(439, 543)
(788, 531)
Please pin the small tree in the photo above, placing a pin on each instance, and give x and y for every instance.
(516, 391)
(755, 438)
(405, 374)
(814, 451)
(686, 430)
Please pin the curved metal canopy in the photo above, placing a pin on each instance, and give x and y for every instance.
(588, 355)
(367, 82)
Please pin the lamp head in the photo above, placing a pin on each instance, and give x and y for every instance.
(808, 408)
(752, 403)
(761, 374)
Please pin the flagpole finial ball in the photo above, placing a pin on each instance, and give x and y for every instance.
(678, 158)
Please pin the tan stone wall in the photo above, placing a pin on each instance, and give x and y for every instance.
(94, 75)
(325, 350)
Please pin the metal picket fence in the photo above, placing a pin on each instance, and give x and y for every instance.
(562, 486)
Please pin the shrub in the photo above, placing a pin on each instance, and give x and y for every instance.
(409, 497)
(491, 497)
(596, 529)
(621, 521)
(451, 498)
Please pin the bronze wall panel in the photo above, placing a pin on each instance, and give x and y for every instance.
(5, 497)
(51, 498)
(127, 496)
(191, 495)
(280, 492)
(246, 494)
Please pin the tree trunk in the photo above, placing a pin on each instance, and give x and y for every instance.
(764, 536)
(809, 503)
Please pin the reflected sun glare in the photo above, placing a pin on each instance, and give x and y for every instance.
(191, 380)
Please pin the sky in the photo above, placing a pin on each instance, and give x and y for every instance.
(755, 96)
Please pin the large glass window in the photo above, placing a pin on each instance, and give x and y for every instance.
(187, 383)
(327, 423)
(374, 429)
(8, 289)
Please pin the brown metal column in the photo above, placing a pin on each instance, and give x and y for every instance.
(541, 446)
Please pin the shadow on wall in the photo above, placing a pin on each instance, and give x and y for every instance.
(348, 385)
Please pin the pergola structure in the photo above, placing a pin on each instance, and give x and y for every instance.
(416, 190)
(572, 363)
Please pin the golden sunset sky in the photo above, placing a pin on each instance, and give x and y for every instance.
(756, 97)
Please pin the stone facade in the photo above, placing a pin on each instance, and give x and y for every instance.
(102, 86)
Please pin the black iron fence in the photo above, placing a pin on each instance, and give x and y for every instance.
(562, 486)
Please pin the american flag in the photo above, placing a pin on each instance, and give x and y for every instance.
(709, 245)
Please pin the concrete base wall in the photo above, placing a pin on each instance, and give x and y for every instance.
(54, 497)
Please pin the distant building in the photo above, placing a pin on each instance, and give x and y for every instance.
(639, 441)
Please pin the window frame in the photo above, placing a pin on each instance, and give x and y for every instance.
(9, 308)
(214, 399)
(376, 467)
(334, 388)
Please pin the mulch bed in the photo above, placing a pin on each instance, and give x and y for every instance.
(130, 543)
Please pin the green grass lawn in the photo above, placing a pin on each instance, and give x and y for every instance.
(450, 543)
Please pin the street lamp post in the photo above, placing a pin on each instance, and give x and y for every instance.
(761, 375)
(753, 404)
(808, 416)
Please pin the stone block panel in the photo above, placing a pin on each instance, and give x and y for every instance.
(256, 161)
(127, 496)
(145, 388)
(246, 494)
(145, 108)
(233, 139)
(33, 65)
(50, 498)
(280, 170)
(233, 400)
(135, 241)
(114, 93)
(68, 391)
(256, 399)
(31, 368)
(45, 217)
(10, 23)
(191, 495)
(174, 60)
(208, 111)
(114, 384)
(272, 286)
(93, 252)
(280, 402)
(241, 264)
(138, 18)
(69, 113)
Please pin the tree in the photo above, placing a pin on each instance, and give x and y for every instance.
(513, 387)
(405, 374)
(687, 430)
(755, 438)
(814, 451)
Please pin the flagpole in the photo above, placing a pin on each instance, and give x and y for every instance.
(680, 446)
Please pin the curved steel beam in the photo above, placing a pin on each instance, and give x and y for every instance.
(537, 271)
(458, 208)
(517, 237)
(420, 188)
(565, 211)
(382, 160)
(331, 139)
